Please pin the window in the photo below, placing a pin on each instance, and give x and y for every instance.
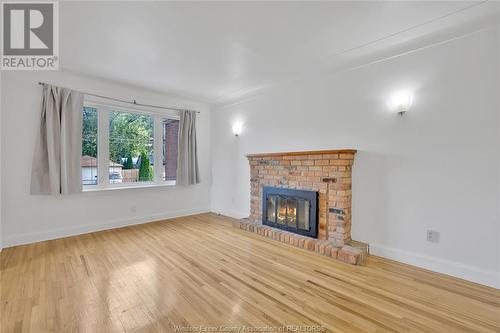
(121, 144)
(131, 147)
(89, 146)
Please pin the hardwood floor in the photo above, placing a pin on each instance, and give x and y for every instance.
(198, 270)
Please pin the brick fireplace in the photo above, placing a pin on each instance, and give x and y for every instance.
(327, 172)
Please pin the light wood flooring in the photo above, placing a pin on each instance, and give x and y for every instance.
(198, 270)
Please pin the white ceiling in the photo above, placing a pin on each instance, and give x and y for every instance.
(222, 51)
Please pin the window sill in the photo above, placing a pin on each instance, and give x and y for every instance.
(91, 188)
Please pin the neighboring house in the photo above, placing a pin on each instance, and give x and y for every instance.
(89, 169)
(171, 142)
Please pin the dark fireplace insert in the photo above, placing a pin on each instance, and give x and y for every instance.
(292, 210)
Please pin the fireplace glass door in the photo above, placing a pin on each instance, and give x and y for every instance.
(271, 208)
(281, 210)
(303, 216)
(292, 210)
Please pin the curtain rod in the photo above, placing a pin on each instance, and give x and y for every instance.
(134, 102)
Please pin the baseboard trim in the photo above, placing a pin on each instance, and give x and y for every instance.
(28, 238)
(230, 213)
(452, 268)
(455, 269)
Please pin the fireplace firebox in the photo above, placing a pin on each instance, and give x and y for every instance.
(292, 210)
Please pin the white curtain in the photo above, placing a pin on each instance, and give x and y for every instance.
(187, 156)
(56, 165)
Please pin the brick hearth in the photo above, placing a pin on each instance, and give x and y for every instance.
(327, 172)
(353, 253)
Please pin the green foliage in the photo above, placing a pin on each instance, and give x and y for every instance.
(129, 164)
(145, 170)
(89, 138)
(129, 135)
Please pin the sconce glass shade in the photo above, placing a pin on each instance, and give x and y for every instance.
(401, 102)
(237, 128)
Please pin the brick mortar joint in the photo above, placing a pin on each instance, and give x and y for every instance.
(343, 252)
(276, 170)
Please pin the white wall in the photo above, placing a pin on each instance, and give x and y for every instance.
(498, 130)
(435, 168)
(1, 158)
(28, 218)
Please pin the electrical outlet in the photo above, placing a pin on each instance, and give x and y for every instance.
(433, 236)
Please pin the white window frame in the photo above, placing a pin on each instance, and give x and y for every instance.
(104, 107)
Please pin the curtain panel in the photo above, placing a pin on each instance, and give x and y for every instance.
(56, 167)
(187, 157)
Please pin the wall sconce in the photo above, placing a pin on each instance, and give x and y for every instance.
(401, 102)
(237, 128)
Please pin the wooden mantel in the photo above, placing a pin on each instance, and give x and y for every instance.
(310, 152)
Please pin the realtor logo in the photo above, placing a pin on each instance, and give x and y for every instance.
(30, 36)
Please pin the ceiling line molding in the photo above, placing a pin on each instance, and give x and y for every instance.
(220, 104)
(416, 26)
(454, 33)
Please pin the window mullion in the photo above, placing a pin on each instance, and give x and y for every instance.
(158, 149)
(103, 148)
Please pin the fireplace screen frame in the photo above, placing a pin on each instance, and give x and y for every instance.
(310, 196)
